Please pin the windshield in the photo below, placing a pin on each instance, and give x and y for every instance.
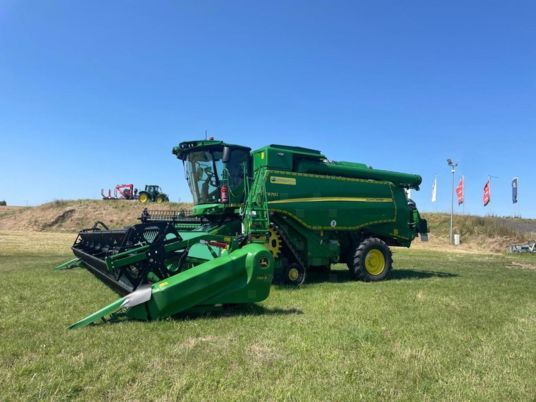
(206, 173)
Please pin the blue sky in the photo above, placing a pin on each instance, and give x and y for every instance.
(97, 93)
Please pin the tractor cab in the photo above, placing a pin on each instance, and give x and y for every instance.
(152, 189)
(215, 172)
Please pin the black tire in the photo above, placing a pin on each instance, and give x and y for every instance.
(160, 198)
(144, 197)
(350, 259)
(294, 275)
(368, 264)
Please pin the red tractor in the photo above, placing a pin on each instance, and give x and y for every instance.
(121, 192)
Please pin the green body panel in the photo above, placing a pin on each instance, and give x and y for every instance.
(281, 157)
(303, 160)
(316, 248)
(330, 202)
(238, 277)
(358, 171)
(243, 276)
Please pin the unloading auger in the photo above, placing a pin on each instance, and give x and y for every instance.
(271, 214)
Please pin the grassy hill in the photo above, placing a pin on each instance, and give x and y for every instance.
(490, 233)
(477, 233)
(71, 216)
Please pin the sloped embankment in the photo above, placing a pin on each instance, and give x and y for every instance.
(71, 216)
(478, 233)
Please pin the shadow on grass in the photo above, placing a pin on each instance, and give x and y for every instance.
(401, 274)
(395, 275)
(229, 310)
(235, 310)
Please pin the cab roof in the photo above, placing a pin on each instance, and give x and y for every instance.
(186, 147)
(295, 150)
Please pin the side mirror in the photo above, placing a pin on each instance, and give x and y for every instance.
(226, 154)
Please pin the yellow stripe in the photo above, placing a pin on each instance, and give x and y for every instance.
(331, 199)
(362, 225)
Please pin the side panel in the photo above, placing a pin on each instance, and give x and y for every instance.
(239, 277)
(401, 231)
(331, 203)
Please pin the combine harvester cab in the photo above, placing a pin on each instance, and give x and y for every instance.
(274, 213)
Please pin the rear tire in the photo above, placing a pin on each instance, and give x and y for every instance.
(372, 261)
(143, 198)
(294, 275)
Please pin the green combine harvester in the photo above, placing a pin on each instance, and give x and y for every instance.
(261, 216)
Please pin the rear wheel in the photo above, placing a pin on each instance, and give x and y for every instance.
(372, 260)
(294, 275)
(143, 198)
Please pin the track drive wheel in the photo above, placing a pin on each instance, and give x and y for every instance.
(143, 198)
(294, 275)
(372, 260)
(274, 243)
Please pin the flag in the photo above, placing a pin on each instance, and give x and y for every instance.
(434, 190)
(459, 191)
(514, 190)
(487, 193)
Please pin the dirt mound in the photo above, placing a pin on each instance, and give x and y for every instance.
(60, 219)
(71, 216)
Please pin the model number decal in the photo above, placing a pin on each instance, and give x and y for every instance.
(289, 181)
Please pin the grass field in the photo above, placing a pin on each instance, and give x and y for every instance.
(447, 326)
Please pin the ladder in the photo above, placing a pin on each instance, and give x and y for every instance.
(256, 219)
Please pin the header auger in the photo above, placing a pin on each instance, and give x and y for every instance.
(268, 215)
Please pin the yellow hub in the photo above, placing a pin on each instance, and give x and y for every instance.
(143, 198)
(159, 200)
(375, 262)
(274, 243)
(293, 274)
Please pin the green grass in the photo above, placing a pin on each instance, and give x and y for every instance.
(446, 326)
